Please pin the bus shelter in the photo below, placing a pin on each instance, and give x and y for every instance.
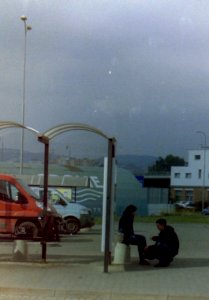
(45, 138)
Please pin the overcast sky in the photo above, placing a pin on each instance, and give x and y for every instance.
(135, 69)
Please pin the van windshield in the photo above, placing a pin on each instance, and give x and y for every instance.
(28, 189)
(57, 196)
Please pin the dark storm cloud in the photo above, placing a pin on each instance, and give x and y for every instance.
(137, 70)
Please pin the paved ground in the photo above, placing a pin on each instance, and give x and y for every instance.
(74, 270)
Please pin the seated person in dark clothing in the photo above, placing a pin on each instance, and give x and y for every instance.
(166, 246)
(129, 238)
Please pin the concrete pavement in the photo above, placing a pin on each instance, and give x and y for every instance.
(74, 270)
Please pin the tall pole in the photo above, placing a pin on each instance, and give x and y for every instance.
(204, 158)
(26, 28)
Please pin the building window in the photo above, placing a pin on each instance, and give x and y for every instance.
(197, 157)
(177, 175)
(178, 195)
(188, 175)
(199, 173)
(189, 195)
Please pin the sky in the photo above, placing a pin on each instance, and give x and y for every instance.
(136, 69)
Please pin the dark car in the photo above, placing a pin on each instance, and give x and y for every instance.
(205, 211)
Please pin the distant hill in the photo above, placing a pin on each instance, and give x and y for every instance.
(9, 154)
(138, 164)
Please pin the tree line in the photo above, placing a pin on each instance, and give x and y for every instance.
(165, 164)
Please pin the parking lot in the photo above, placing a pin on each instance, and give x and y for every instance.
(74, 269)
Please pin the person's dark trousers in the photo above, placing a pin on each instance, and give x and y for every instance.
(160, 252)
(137, 240)
(151, 252)
(164, 254)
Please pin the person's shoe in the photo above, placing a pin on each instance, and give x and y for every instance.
(171, 259)
(144, 263)
(159, 265)
(162, 265)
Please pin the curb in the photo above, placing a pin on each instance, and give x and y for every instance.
(17, 293)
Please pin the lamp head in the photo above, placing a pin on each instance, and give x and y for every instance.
(23, 18)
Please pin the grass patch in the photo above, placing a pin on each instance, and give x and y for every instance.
(177, 218)
(197, 218)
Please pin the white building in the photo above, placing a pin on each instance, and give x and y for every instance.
(192, 181)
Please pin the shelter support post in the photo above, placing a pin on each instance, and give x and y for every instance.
(45, 141)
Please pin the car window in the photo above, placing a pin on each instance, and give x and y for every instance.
(14, 193)
(27, 188)
(4, 190)
(55, 198)
(10, 193)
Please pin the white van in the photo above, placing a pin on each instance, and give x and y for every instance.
(75, 216)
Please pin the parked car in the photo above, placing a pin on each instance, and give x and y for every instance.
(20, 211)
(75, 215)
(185, 204)
(205, 211)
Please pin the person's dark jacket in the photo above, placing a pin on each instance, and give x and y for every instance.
(169, 238)
(126, 225)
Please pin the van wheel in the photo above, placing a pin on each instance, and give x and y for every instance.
(26, 229)
(72, 226)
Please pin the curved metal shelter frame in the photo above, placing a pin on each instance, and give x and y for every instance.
(44, 138)
(54, 131)
(10, 124)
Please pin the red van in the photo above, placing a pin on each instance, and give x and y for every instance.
(20, 211)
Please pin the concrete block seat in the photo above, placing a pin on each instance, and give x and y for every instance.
(122, 252)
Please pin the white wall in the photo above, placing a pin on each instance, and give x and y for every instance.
(194, 165)
(158, 209)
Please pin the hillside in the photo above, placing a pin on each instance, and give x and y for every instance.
(138, 164)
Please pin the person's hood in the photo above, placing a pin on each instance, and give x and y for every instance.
(169, 228)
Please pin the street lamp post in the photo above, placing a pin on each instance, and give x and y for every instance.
(27, 28)
(204, 158)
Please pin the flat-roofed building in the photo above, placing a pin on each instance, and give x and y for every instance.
(191, 182)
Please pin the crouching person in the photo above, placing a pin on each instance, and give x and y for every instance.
(166, 246)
